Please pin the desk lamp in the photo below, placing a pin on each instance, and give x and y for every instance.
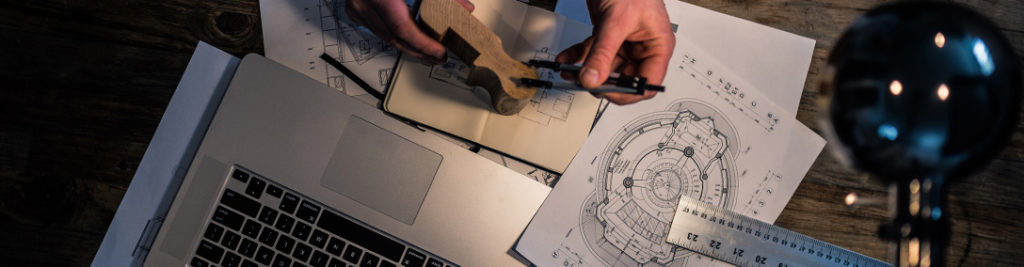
(919, 95)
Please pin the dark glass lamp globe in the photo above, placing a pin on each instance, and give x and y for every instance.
(921, 93)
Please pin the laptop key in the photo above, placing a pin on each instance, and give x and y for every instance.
(285, 244)
(282, 260)
(274, 190)
(319, 259)
(288, 203)
(268, 215)
(335, 246)
(247, 263)
(228, 218)
(318, 240)
(248, 248)
(264, 256)
(231, 260)
(336, 263)
(432, 262)
(369, 260)
(297, 264)
(268, 236)
(284, 223)
(240, 175)
(352, 254)
(308, 211)
(213, 232)
(413, 258)
(360, 235)
(241, 203)
(301, 231)
(197, 262)
(302, 252)
(255, 188)
(209, 251)
(387, 264)
(251, 228)
(231, 240)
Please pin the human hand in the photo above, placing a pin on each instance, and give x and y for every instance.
(632, 37)
(392, 21)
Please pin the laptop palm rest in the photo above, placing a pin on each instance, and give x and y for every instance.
(381, 170)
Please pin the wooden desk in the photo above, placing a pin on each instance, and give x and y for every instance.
(84, 84)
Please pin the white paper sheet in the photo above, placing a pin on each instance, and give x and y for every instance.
(167, 157)
(297, 32)
(711, 136)
(776, 61)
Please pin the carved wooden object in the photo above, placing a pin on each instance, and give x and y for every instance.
(481, 49)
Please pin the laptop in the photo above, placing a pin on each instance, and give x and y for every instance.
(294, 173)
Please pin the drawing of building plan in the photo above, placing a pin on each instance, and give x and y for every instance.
(297, 32)
(547, 132)
(711, 136)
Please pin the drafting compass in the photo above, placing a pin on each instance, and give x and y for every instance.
(616, 83)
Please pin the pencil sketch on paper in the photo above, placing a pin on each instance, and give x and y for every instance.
(686, 149)
(551, 104)
(731, 94)
(350, 44)
(545, 106)
(763, 193)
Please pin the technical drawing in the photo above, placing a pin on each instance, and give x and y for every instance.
(383, 75)
(452, 72)
(687, 149)
(362, 45)
(351, 44)
(568, 257)
(733, 95)
(550, 104)
(545, 106)
(763, 193)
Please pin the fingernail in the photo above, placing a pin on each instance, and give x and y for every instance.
(589, 76)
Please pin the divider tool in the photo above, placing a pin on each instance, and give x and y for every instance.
(616, 83)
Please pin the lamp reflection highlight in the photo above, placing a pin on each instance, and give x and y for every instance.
(895, 87)
(983, 56)
(940, 40)
(943, 92)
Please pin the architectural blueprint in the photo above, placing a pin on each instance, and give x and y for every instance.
(711, 136)
(297, 32)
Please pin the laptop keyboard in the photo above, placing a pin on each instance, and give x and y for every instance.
(260, 223)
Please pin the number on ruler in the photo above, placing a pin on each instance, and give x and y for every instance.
(760, 260)
(738, 252)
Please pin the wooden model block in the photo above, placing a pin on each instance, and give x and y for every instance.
(481, 49)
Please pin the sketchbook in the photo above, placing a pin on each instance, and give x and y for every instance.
(547, 133)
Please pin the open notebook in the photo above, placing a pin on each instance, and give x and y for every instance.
(547, 133)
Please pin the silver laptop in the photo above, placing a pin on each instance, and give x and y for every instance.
(294, 173)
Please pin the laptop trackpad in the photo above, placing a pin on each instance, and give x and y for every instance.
(381, 170)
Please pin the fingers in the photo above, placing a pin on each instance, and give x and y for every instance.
(655, 64)
(391, 21)
(607, 41)
(573, 55)
(623, 99)
(468, 5)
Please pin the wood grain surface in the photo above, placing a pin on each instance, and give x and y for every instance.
(477, 46)
(83, 85)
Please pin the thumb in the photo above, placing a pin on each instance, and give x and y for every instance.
(466, 4)
(598, 64)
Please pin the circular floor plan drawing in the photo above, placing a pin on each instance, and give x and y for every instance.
(688, 149)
